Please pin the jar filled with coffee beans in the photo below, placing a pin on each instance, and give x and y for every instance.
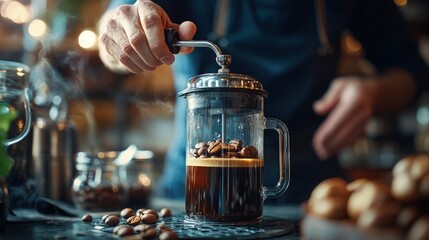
(140, 178)
(100, 185)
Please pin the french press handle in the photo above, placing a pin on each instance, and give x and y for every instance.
(174, 43)
(172, 36)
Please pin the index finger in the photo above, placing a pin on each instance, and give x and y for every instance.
(153, 20)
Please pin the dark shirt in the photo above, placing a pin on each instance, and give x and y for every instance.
(277, 42)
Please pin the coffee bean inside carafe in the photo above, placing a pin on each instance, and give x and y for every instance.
(217, 149)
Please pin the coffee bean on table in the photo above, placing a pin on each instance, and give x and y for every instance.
(87, 218)
(142, 227)
(125, 231)
(112, 221)
(168, 235)
(127, 212)
(115, 230)
(140, 211)
(149, 233)
(166, 212)
(133, 220)
(151, 211)
(149, 218)
(103, 219)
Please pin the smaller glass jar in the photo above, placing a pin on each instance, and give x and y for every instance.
(140, 179)
(99, 185)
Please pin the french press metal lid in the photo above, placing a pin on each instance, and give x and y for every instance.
(223, 80)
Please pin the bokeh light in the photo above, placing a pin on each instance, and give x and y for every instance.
(87, 39)
(37, 28)
(16, 12)
(400, 3)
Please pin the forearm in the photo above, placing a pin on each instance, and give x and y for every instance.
(392, 91)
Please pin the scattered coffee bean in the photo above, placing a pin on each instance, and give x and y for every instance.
(168, 235)
(149, 233)
(166, 212)
(134, 220)
(151, 211)
(103, 219)
(87, 218)
(142, 227)
(127, 212)
(112, 221)
(162, 228)
(140, 211)
(125, 231)
(149, 218)
(115, 230)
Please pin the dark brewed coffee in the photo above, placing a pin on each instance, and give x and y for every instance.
(224, 189)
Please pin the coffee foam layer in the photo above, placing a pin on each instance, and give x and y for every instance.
(225, 162)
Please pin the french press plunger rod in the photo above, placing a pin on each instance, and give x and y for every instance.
(223, 60)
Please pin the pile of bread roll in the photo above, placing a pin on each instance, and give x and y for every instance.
(402, 204)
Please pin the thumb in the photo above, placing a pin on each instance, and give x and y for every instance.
(187, 31)
(329, 99)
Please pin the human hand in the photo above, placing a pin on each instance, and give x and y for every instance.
(349, 105)
(132, 37)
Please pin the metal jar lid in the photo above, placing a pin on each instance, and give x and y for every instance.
(223, 82)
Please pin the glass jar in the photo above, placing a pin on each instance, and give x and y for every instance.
(99, 185)
(140, 179)
(15, 124)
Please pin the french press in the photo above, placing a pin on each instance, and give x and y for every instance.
(224, 142)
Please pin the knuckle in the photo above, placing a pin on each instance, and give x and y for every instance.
(123, 10)
(151, 20)
(111, 24)
(137, 39)
(157, 47)
(104, 39)
(124, 59)
(153, 63)
(127, 48)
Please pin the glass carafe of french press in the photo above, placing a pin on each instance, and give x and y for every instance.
(224, 144)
